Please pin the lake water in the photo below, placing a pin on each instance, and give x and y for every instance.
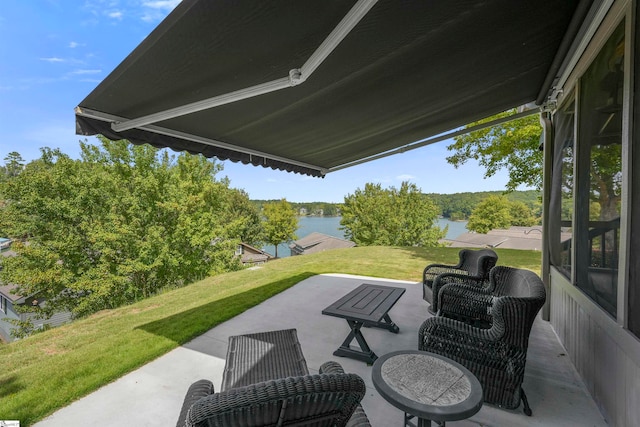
(330, 225)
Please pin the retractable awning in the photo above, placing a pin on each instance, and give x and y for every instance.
(312, 86)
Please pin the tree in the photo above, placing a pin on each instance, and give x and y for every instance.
(13, 164)
(244, 218)
(513, 146)
(390, 217)
(280, 223)
(119, 224)
(521, 215)
(493, 212)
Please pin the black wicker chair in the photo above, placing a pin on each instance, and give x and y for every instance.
(331, 398)
(475, 263)
(496, 355)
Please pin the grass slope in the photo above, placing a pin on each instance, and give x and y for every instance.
(49, 370)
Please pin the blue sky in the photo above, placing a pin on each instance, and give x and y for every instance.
(54, 52)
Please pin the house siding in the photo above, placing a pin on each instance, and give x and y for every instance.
(606, 356)
(5, 326)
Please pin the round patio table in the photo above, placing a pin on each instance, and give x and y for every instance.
(428, 386)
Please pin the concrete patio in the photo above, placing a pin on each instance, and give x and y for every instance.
(152, 395)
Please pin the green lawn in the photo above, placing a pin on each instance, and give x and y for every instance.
(49, 370)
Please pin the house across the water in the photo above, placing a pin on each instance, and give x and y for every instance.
(516, 237)
(318, 242)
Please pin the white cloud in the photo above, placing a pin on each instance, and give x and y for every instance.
(84, 72)
(157, 10)
(116, 14)
(405, 177)
(147, 10)
(52, 59)
(74, 45)
(162, 4)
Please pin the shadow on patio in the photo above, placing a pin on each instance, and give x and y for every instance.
(152, 395)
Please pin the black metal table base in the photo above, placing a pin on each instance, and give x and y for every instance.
(365, 353)
(421, 421)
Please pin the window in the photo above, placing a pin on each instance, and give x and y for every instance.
(598, 175)
(3, 304)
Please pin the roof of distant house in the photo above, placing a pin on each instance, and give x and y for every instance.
(318, 242)
(5, 243)
(253, 255)
(528, 238)
(9, 292)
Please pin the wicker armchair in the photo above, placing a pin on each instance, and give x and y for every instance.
(475, 263)
(466, 298)
(496, 355)
(331, 398)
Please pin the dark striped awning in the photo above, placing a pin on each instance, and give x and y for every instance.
(312, 86)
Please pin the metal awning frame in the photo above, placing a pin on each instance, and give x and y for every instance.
(438, 138)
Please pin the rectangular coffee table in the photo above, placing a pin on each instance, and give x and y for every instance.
(367, 305)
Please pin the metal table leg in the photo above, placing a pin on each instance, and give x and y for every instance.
(365, 354)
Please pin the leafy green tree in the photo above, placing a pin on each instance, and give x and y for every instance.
(244, 218)
(457, 216)
(119, 224)
(280, 224)
(513, 146)
(493, 212)
(522, 215)
(390, 217)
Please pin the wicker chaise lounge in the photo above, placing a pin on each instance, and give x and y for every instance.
(474, 263)
(266, 383)
(496, 355)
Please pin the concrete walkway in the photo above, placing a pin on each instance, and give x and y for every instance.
(152, 395)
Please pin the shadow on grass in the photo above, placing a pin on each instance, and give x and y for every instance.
(186, 325)
(9, 386)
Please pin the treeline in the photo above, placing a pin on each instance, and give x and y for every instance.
(459, 206)
(310, 208)
(455, 207)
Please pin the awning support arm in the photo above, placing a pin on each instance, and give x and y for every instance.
(296, 76)
(438, 138)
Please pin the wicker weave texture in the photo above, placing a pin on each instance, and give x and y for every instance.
(359, 417)
(475, 263)
(496, 355)
(262, 356)
(311, 400)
